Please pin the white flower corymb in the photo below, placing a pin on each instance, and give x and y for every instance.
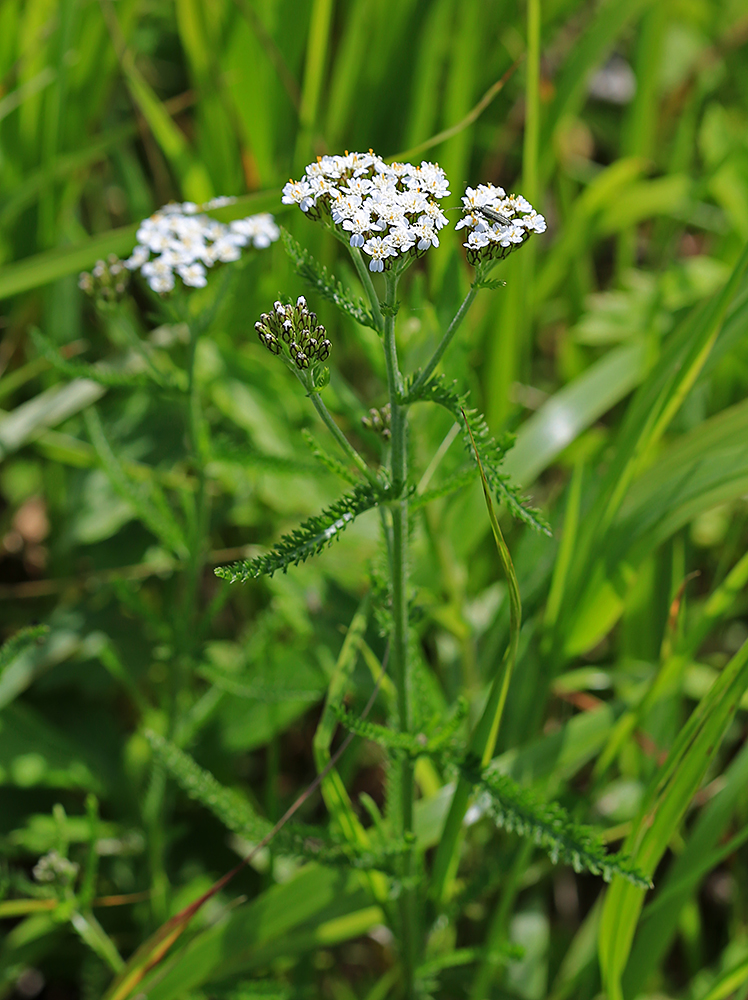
(185, 241)
(497, 223)
(389, 209)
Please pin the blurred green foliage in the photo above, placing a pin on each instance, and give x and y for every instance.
(617, 353)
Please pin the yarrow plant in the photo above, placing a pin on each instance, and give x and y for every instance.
(388, 215)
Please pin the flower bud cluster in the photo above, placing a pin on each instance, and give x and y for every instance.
(179, 240)
(379, 421)
(294, 331)
(107, 281)
(390, 210)
(488, 238)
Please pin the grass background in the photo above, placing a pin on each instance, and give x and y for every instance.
(618, 353)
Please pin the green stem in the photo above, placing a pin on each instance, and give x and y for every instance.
(446, 339)
(340, 437)
(365, 276)
(483, 740)
(399, 577)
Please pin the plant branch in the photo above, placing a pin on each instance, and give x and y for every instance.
(342, 440)
(446, 339)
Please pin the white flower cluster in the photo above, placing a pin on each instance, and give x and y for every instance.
(179, 239)
(389, 209)
(54, 868)
(492, 239)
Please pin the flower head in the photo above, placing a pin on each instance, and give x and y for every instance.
(179, 239)
(107, 281)
(497, 223)
(293, 331)
(390, 210)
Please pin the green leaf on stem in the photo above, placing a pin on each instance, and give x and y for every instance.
(481, 446)
(519, 810)
(309, 539)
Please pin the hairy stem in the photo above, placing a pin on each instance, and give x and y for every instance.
(399, 639)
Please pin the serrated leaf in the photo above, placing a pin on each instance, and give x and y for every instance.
(228, 806)
(309, 539)
(330, 463)
(22, 639)
(104, 375)
(147, 498)
(481, 443)
(318, 277)
(520, 811)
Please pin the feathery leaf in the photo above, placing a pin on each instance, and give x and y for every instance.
(329, 461)
(310, 538)
(106, 375)
(521, 811)
(490, 451)
(22, 639)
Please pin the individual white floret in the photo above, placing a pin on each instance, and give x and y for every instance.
(260, 230)
(345, 207)
(356, 186)
(159, 274)
(533, 222)
(506, 235)
(434, 215)
(477, 240)
(188, 248)
(383, 184)
(425, 234)
(379, 250)
(225, 250)
(298, 193)
(358, 227)
(413, 202)
(402, 238)
(516, 203)
(431, 178)
(389, 213)
(192, 274)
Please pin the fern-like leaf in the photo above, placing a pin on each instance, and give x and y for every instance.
(310, 538)
(17, 643)
(490, 451)
(328, 286)
(257, 691)
(226, 805)
(148, 498)
(521, 811)
(235, 812)
(413, 744)
(107, 375)
(329, 462)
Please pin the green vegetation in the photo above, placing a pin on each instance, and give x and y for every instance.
(500, 682)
